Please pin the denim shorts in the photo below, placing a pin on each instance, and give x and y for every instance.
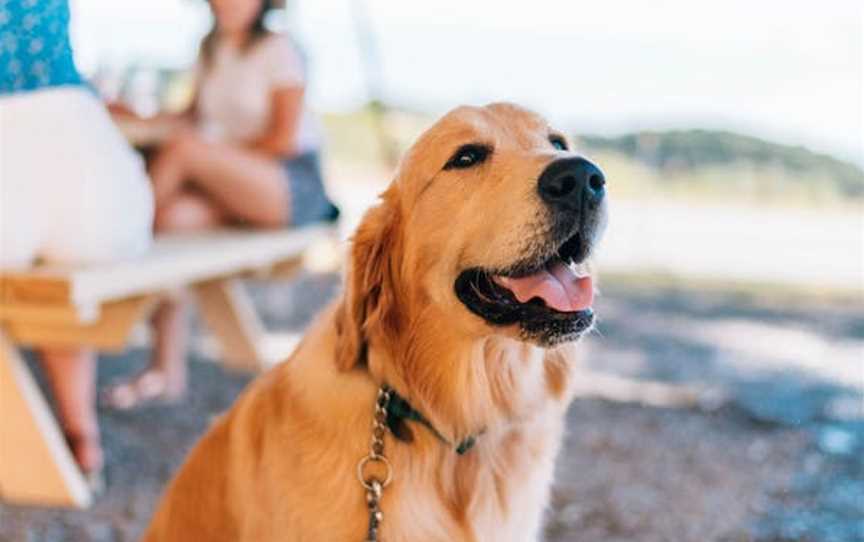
(309, 201)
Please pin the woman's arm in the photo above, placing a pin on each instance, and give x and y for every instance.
(156, 129)
(121, 111)
(280, 137)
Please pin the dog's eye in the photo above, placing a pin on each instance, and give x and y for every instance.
(558, 142)
(467, 156)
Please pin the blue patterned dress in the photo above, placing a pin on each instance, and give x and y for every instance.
(35, 51)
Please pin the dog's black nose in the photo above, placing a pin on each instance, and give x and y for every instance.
(570, 183)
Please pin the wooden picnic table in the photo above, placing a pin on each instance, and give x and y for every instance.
(98, 306)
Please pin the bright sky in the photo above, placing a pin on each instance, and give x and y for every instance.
(786, 70)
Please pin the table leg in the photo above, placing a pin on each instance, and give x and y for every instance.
(230, 315)
(36, 466)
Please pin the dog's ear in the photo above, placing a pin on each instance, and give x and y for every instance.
(369, 307)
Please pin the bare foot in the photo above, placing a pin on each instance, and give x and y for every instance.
(150, 386)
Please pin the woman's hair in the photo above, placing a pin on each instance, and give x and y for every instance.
(256, 32)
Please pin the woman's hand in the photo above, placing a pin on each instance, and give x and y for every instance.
(119, 110)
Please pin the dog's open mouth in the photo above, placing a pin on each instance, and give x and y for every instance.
(563, 284)
(551, 300)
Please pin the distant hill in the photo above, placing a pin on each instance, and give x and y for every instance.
(689, 150)
(702, 164)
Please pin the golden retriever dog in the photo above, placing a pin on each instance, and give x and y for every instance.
(467, 286)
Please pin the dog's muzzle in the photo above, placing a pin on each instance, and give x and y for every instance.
(550, 291)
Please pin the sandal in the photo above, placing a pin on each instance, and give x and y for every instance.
(148, 387)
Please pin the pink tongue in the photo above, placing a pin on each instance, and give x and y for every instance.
(558, 287)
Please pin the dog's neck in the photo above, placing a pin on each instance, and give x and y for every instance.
(472, 387)
(513, 395)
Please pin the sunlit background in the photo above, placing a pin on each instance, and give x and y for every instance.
(786, 71)
(733, 268)
(731, 105)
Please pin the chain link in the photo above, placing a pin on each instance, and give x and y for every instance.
(373, 486)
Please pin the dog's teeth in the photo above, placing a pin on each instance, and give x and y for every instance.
(580, 270)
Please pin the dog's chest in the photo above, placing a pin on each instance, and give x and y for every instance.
(425, 517)
(491, 502)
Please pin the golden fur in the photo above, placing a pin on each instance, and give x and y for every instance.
(280, 465)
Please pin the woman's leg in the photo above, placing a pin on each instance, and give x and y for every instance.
(72, 376)
(245, 185)
(231, 184)
(100, 210)
(189, 211)
(165, 378)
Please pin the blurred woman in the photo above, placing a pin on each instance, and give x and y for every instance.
(249, 156)
(71, 189)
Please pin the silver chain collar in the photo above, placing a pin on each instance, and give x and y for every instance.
(372, 484)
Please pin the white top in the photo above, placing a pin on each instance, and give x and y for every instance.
(235, 91)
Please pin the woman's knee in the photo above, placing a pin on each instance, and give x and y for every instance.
(187, 213)
(171, 217)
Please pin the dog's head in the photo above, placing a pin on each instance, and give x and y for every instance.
(487, 229)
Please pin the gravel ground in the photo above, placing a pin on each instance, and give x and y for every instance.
(728, 419)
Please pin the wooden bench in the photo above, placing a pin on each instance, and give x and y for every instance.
(98, 306)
